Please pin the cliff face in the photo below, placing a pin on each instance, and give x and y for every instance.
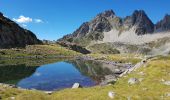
(12, 35)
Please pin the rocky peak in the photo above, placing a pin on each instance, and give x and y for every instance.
(100, 24)
(83, 30)
(140, 21)
(107, 14)
(164, 24)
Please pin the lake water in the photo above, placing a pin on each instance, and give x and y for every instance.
(57, 75)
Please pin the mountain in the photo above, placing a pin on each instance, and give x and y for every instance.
(12, 35)
(130, 34)
(164, 24)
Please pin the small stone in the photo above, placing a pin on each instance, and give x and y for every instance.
(167, 83)
(141, 79)
(76, 85)
(162, 80)
(128, 98)
(145, 89)
(111, 94)
(12, 98)
(168, 94)
(132, 81)
(48, 92)
(141, 73)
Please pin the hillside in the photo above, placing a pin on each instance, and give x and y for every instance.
(12, 35)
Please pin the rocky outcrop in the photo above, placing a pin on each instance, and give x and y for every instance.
(12, 35)
(74, 47)
(164, 24)
(140, 21)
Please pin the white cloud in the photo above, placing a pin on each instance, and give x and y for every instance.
(24, 25)
(23, 19)
(38, 21)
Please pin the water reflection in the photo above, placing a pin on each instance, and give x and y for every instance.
(58, 75)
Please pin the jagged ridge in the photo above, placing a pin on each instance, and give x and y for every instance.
(94, 30)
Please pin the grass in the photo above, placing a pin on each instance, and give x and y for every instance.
(37, 50)
(123, 58)
(150, 88)
(103, 49)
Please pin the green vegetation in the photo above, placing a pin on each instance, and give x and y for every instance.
(103, 48)
(150, 88)
(34, 51)
(123, 58)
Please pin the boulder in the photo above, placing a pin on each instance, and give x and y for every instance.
(76, 85)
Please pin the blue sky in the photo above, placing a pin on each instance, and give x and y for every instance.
(51, 19)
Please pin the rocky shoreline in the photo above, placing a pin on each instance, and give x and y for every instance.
(118, 72)
(108, 78)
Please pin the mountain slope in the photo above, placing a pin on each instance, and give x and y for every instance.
(12, 35)
(135, 31)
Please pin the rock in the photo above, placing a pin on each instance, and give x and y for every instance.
(128, 98)
(145, 89)
(141, 79)
(118, 71)
(48, 92)
(162, 80)
(111, 94)
(166, 82)
(109, 79)
(167, 94)
(76, 85)
(140, 20)
(141, 73)
(164, 24)
(132, 81)
(12, 98)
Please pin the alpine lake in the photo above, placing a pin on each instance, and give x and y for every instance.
(56, 74)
